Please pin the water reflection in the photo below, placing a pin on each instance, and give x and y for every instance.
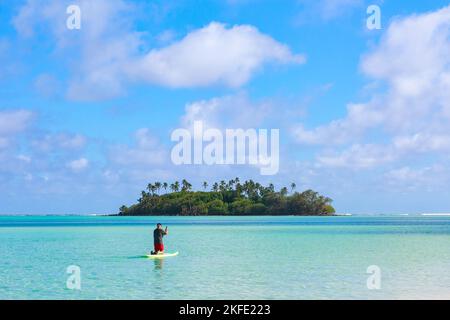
(158, 264)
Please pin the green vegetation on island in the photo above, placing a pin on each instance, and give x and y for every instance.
(227, 198)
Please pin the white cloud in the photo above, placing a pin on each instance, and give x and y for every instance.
(234, 111)
(24, 158)
(429, 178)
(406, 174)
(146, 153)
(413, 61)
(166, 36)
(360, 117)
(51, 142)
(146, 159)
(22, 21)
(13, 122)
(78, 164)
(371, 155)
(101, 48)
(211, 55)
(28, 157)
(422, 142)
(106, 45)
(358, 157)
(111, 54)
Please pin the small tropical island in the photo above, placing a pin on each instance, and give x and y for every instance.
(227, 198)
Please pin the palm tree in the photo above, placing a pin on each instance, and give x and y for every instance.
(222, 185)
(151, 188)
(177, 186)
(144, 196)
(165, 185)
(215, 187)
(258, 190)
(251, 189)
(293, 186)
(246, 188)
(238, 189)
(205, 185)
(186, 186)
(284, 191)
(230, 185)
(123, 209)
(158, 186)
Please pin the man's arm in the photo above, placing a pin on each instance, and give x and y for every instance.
(166, 232)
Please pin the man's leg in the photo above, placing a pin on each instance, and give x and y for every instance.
(159, 248)
(156, 247)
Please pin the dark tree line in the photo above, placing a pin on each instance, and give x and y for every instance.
(227, 198)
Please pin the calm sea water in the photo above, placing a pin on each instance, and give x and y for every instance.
(226, 257)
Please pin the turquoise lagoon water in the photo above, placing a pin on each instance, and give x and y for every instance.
(226, 257)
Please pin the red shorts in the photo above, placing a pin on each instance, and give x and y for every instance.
(159, 247)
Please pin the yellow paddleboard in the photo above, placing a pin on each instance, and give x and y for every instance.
(161, 255)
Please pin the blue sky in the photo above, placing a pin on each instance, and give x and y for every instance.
(86, 115)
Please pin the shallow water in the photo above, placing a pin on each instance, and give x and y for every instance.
(226, 257)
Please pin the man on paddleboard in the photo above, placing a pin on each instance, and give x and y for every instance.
(158, 235)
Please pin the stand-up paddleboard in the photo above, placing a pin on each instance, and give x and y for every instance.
(161, 255)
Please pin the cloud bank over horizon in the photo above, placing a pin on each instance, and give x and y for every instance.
(97, 105)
